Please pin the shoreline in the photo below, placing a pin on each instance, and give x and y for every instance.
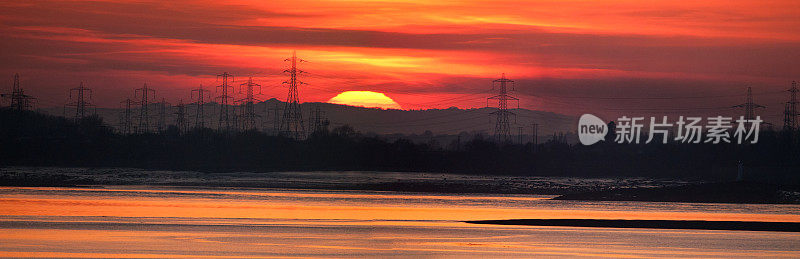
(652, 224)
(716, 192)
(327, 180)
(567, 188)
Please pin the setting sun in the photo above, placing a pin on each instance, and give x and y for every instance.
(365, 99)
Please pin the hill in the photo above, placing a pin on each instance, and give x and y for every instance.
(449, 121)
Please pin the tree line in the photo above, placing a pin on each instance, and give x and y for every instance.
(28, 138)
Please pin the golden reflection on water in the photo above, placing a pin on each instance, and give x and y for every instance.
(127, 222)
(135, 206)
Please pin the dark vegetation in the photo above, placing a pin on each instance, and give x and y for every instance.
(33, 139)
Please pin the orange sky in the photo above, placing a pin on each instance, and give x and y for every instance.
(423, 54)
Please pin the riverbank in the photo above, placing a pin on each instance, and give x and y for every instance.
(568, 188)
(324, 180)
(654, 224)
(724, 192)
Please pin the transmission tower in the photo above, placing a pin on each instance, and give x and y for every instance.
(161, 122)
(224, 122)
(199, 112)
(276, 118)
(265, 121)
(235, 116)
(535, 133)
(502, 128)
(180, 117)
(292, 122)
(317, 121)
(248, 112)
(19, 100)
(790, 113)
(80, 102)
(787, 120)
(749, 106)
(125, 121)
(162, 115)
(144, 94)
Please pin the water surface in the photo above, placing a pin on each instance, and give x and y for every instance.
(180, 222)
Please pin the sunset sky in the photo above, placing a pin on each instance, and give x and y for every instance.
(567, 57)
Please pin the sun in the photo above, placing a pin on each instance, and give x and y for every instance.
(367, 99)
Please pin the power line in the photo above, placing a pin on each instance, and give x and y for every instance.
(426, 118)
(668, 109)
(403, 124)
(481, 125)
(398, 91)
(648, 97)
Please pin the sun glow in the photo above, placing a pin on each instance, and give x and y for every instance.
(365, 99)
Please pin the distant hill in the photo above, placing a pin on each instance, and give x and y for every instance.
(373, 120)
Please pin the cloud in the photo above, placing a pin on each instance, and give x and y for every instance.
(414, 51)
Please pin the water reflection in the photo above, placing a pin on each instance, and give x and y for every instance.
(153, 222)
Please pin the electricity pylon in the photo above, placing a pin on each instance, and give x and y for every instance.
(19, 100)
(317, 122)
(248, 113)
(224, 122)
(199, 112)
(125, 121)
(502, 128)
(535, 133)
(276, 118)
(80, 101)
(749, 106)
(292, 122)
(790, 112)
(144, 103)
(180, 117)
(162, 115)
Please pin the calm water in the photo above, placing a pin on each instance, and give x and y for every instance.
(158, 222)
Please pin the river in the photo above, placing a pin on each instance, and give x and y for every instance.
(196, 222)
